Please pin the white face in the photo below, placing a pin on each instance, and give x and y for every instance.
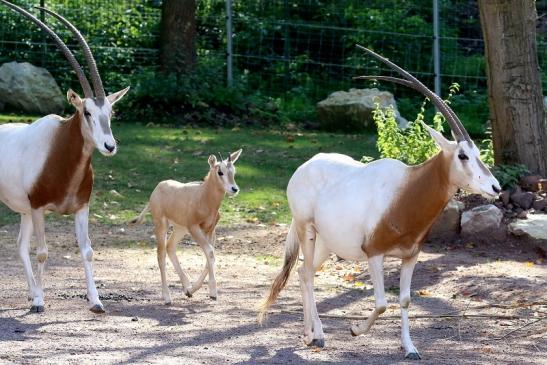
(467, 171)
(225, 171)
(97, 114)
(471, 173)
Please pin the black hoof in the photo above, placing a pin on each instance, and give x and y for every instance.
(317, 342)
(97, 308)
(213, 297)
(188, 294)
(37, 309)
(413, 356)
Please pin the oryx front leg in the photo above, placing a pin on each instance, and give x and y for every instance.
(376, 269)
(41, 257)
(175, 238)
(86, 252)
(23, 241)
(407, 268)
(209, 252)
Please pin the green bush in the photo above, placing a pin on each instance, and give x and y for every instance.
(509, 175)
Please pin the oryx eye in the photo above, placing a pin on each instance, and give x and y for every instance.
(86, 113)
(462, 156)
(220, 173)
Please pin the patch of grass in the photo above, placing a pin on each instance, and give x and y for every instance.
(148, 155)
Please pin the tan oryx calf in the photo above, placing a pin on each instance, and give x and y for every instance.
(194, 208)
(366, 212)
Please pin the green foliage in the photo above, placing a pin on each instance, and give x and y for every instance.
(509, 175)
(412, 145)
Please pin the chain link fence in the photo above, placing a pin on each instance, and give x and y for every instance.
(279, 46)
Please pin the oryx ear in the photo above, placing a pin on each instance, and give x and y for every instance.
(442, 142)
(235, 155)
(74, 99)
(212, 160)
(115, 97)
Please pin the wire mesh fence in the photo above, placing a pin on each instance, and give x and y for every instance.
(305, 46)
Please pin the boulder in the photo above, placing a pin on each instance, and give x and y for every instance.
(534, 227)
(352, 110)
(523, 199)
(481, 219)
(448, 223)
(30, 89)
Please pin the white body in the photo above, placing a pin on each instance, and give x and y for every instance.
(318, 193)
(23, 152)
(367, 212)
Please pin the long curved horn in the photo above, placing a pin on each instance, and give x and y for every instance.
(454, 122)
(94, 72)
(60, 44)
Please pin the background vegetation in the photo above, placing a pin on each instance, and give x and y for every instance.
(288, 56)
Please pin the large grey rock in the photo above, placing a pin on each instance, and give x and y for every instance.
(448, 223)
(535, 227)
(30, 89)
(481, 219)
(352, 110)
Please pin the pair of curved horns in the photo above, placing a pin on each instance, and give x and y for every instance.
(410, 81)
(95, 77)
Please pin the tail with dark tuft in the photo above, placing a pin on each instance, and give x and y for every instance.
(291, 256)
(140, 218)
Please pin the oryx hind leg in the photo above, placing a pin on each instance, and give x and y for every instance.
(313, 331)
(160, 231)
(174, 239)
(38, 223)
(376, 269)
(23, 242)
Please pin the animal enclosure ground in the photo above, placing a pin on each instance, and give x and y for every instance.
(496, 282)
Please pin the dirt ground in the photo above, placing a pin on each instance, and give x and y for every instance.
(500, 290)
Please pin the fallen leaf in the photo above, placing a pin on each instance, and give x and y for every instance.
(424, 293)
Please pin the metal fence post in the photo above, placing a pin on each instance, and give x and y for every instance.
(436, 48)
(229, 54)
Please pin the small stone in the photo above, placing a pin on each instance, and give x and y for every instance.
(522, 215)
(523, 199)
(135, 319)
(530, 182)
(505, 196)
(540, 204)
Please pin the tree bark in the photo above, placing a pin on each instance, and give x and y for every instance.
(177, 36)
(514, 85)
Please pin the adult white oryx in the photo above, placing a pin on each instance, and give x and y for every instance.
(370, 211)
(46, 165)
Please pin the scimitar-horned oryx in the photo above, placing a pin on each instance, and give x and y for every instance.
(46, 165)
(370, 211)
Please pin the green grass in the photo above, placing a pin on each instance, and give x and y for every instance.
(148, 155)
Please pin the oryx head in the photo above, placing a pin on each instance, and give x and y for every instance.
(225, 171)
(466, 170)
(94, 110)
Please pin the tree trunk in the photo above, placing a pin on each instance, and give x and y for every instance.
(177, 36)
(514, 85)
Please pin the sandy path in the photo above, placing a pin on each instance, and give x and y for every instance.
(138, 328)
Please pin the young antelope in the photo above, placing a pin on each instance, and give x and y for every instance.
(194, 208)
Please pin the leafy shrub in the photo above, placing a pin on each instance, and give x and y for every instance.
(509, 175)
(414, 144)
